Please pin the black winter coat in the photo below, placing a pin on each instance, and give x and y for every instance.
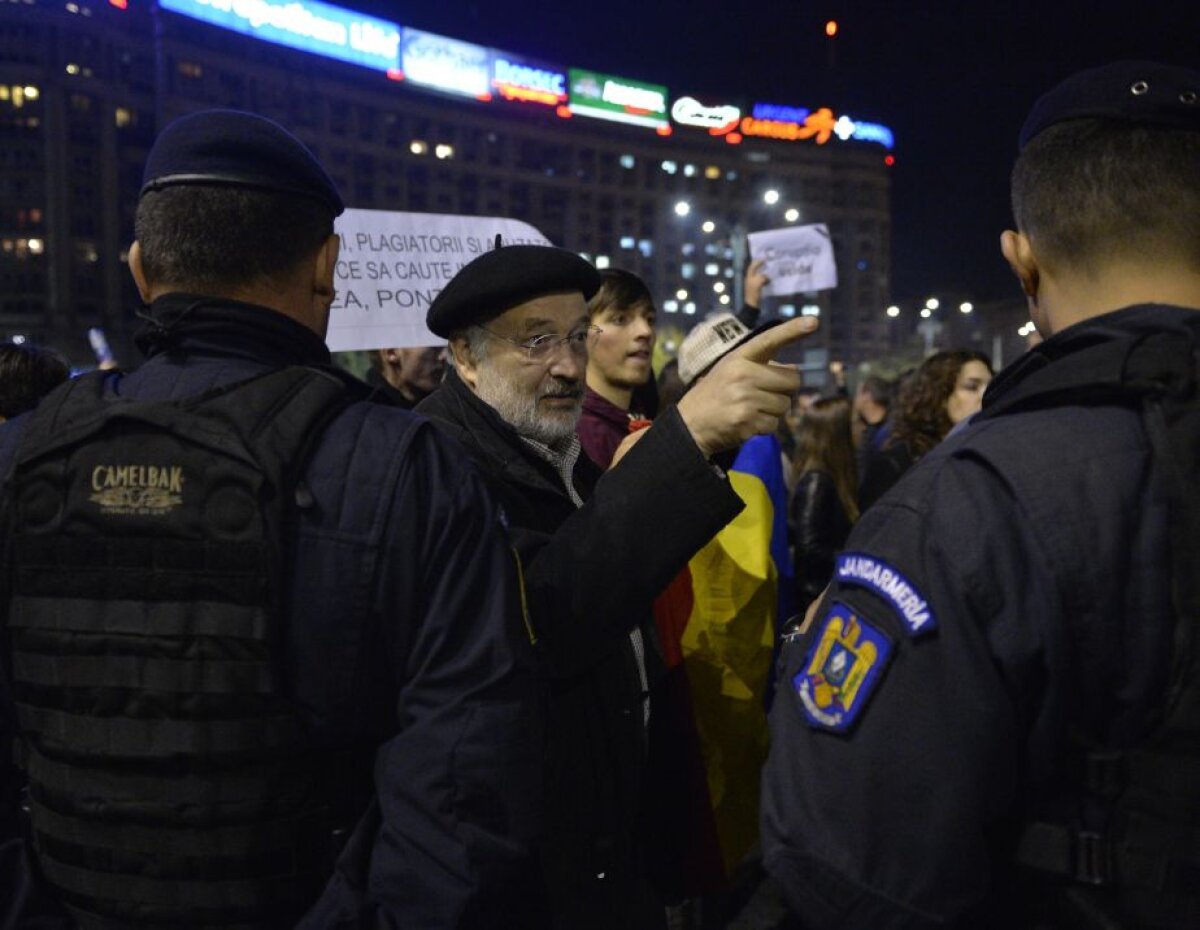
(403, 648)
(591, 575)
(820, 526)
(883, 471)
(1011, 596)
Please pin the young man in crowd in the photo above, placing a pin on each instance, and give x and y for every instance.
(618, 362)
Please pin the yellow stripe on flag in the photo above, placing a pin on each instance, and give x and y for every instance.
(727, 651)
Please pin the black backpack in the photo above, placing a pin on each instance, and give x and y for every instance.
(1132, 853)
(170, 780)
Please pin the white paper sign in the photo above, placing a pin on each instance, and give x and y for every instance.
(797, 258)
(391, 266)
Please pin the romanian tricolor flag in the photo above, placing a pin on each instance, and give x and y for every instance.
(718, 622)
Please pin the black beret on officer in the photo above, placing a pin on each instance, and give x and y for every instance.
(1145, 92)
(504, 277)
(231, 148)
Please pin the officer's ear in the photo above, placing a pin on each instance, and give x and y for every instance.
(1018, 252)
(324, 266)
(464, 359)
(139, 272)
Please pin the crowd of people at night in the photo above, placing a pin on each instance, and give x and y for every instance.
(518, 632)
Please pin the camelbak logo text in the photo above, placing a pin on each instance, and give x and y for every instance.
(137, 489)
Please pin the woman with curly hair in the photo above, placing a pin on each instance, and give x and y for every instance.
(944, 391)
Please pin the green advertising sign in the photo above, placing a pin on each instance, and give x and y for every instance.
(620, 99)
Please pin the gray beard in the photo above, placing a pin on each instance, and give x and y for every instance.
(520, 411)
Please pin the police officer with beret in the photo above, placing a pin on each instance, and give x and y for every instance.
(597, 550)
(990, 719)
(264, 661)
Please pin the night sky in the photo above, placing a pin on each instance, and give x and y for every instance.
(953, 80)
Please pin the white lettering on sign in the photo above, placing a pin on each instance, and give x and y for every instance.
(691, 112)
(292, 18)
(508, 72)
(392, 265)
(367, 37)
(640, 98)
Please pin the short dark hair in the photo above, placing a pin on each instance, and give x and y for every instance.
(878, 389)
(1087, 190)
(208, 239)
(619, 288)
(27, 374)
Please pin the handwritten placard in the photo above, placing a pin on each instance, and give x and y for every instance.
(391, 265)
(797, 258)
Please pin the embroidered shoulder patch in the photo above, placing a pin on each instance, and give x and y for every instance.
(889, 583)
(841, 670)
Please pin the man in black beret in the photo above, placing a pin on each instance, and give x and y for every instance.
(990, 719)
(597, 549)
(263, 651)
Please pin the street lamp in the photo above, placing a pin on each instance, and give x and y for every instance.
(708, 226)
(932, 303)
(771, 197)
(683, 208)
(966, 307)
(893, 311)
(681, 294)
(792, 215)
(926, 313)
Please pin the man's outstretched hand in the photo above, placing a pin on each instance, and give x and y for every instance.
(744, 394)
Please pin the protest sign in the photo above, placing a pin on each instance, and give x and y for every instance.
(391, 265)
(797, 258)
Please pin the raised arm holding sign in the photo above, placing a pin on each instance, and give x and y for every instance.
(795, 259)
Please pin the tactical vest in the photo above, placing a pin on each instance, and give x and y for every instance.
(170, 781)
(1131, 856)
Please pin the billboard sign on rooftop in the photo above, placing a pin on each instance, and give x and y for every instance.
(307, 25)
(518, 79)
(446, 64)
(620, 99)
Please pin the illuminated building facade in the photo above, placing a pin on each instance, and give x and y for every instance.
(623, 171)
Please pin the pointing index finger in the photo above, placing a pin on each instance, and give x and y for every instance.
(764, 346)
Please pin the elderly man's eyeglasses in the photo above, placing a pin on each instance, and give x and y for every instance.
(541, 347)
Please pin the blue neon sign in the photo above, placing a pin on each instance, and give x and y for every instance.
(445, 64)
(848, 128)
(779, 114)
(873, 132)
(517, 79)
(308, 25)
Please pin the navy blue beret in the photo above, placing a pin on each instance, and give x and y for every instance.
(229, 148)
(504, 277)
(1143, 92)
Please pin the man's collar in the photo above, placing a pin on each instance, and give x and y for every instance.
(599, 405)
(196, 323)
